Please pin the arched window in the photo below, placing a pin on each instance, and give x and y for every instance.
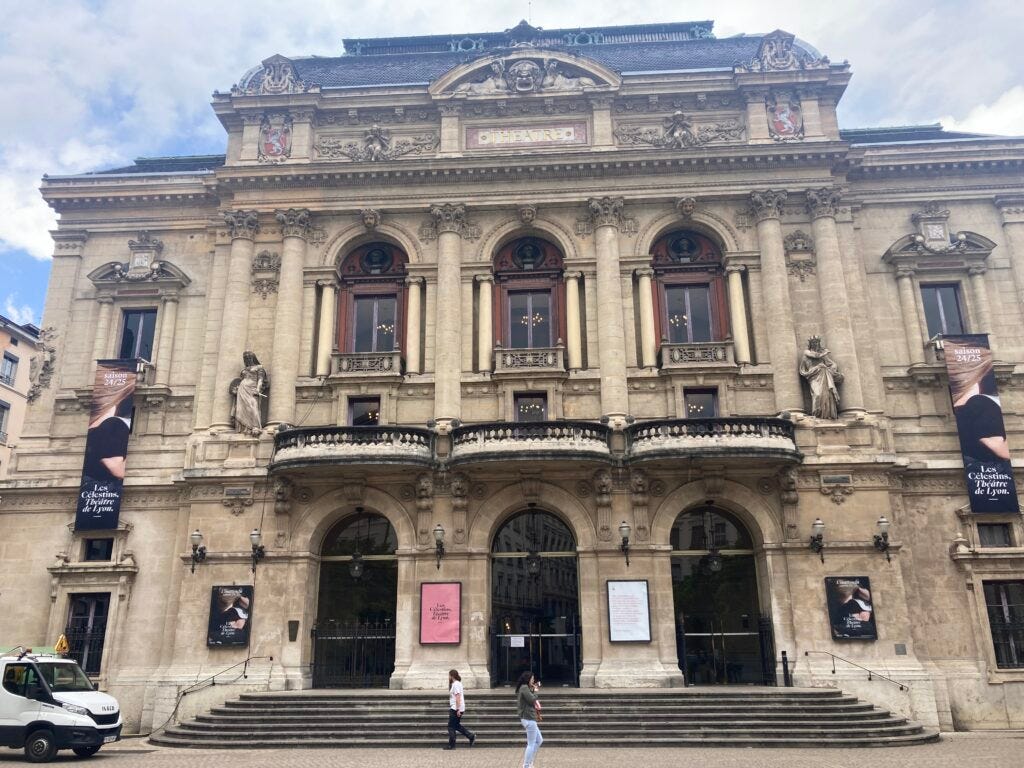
(371, 307)
(530, 309)
(689, 290)
(709, 528)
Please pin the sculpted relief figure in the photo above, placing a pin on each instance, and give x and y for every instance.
(823, 376)
(250, 389)
(493, 83)
(554, 80)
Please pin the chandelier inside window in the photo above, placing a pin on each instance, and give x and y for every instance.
(536, 319)
(678, 321)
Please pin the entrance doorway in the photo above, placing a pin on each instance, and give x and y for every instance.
(535, 601)
(86, 629)
(354, 633)
(721, 636)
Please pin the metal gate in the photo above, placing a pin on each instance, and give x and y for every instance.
(554, 656)
(725, 657)
(86, 630)
(353, 654)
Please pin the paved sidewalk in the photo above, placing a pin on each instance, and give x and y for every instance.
(977, 750)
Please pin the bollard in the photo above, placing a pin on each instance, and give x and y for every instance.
(787, 679)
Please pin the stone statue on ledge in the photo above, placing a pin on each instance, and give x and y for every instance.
(250, 392)
(823, 376)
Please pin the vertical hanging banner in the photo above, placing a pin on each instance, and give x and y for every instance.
(979, 422)
(106, 445)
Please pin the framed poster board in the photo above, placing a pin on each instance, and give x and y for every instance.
(851, 614)
(629, 612)
(441, 613)
(230, 616)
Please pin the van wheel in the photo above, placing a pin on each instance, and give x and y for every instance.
(86, 751)
(39, 747)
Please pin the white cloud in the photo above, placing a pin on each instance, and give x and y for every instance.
(1004, 116)
(19, 314)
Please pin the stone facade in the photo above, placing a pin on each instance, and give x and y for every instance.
(734, 176)
(27, 365)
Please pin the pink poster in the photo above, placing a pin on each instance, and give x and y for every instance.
(440, 613)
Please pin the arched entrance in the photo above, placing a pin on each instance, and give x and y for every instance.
(535, 600)
(721, 637)
(354, 634)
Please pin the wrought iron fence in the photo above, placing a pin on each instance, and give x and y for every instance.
(353, 654)
(85, 645)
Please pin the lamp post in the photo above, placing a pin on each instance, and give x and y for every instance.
(198, 549)
(258, 550)
(533, 563)
(817, 542)
(624, 530)
(882, 537)
(355, 568)
(439, 543)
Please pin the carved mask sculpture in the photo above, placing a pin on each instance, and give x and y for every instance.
(524, 76)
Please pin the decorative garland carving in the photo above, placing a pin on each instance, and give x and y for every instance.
(42, 364)
(778, 54)
(376, 145)
(679, 132)
(266, 273)
(800, 259)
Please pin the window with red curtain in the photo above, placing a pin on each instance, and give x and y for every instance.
(371, 302)
(529, 306)
(689, 289)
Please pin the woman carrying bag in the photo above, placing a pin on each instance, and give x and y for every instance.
(529, 715)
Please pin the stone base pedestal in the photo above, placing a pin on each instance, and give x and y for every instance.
(636, 674)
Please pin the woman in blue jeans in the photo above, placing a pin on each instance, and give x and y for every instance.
(526, 699)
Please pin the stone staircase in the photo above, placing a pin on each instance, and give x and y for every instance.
(726, 717)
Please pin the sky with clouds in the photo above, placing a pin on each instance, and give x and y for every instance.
(91, 84)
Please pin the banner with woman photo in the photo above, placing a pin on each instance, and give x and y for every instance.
(106, 445)
(979, 423)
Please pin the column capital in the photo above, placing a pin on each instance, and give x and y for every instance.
(735, 269)
(450, 217)
(605, 211)
(414, 280)
(484, 277)
(105, 299)
(327, 282)
(976, 269)
(644, 272)
(572, 274)
(767, 203)
(242, 224)
(1011, 207)
(903, 273)
(822, 202)
(169, 298)
(295, 222)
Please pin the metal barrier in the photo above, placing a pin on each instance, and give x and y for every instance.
(353, 655)
(85, 645)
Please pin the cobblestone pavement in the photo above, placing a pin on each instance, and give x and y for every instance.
(977, 750)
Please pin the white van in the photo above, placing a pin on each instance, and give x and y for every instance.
(47, 703)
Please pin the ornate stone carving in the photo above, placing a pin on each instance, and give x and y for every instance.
(244, 224)
(266, 273)
(277, 77)
(371, 218)
(275, 143)
(250, 395)
(527, 214)
(603, 486)
(638, 486)
(785, 120)
(824, 378)
(823, 201)
(521, 76)
(800, 259)
(449, 217)
(679, 132)
(789, 496)
(584, 489)
(295, 222)
(42, 364)
(777, 53)
(768, 203)
(605, 211)
(283, 490)
(424, 506)
(459, 488)
(686, 206)
(377, 144)
(837, 493)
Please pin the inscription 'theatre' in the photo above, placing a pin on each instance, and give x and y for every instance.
(567, 133)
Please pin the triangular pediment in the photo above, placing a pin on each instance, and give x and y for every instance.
(523, 72)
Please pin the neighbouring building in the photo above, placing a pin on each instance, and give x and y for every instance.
(20, 372)
(604, 351)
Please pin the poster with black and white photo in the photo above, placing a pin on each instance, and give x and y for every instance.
(851, 614)
(230, 616)
(106, 445)
(979, 423)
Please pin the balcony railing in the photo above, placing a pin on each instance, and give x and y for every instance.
(752, 437)
(368, 363)
(304, 446)
(3, 438)
(7, 379)
(697, 355)
(535, 360)
(527, 441)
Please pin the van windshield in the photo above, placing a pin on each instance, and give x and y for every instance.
(64, 678)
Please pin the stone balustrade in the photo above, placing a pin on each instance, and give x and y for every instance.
(307, 446)
(744, 437)
(696, 355)
(527, 441)
(534, 360)
(368, 363)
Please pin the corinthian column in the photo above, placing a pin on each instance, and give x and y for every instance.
(284, 367)
(164, 356)
(767, 206)
(738, 314)
(648, 344)
(234, 325)
(908, 311)
(835, 304)
(606, 215)
(574, 344)
(485, 327)
(412, 324)
(450, 221)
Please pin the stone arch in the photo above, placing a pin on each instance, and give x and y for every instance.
(704, 222)
(763, 523)
(321, 516)
(511, 229)
(605, 77)
(356, 234)
(494, 511)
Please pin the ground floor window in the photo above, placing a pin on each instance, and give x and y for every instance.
(87, 628)
(1005, 603)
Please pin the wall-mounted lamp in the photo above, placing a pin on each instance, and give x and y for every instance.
(258, 550)
(882, 537)
(198, 549)
(439, 543)
(533, 563)
(817, 542)
(624, 531)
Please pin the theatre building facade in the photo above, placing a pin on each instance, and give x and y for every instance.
(602, 352)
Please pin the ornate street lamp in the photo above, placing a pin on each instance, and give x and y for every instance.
(258, 550)
(439, 543)
(882, 537)
(198, 549)
(817, 542)
(355, 568)
(624, 531)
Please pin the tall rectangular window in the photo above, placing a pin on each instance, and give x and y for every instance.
(529, 321)
(374, 327)
(531, 407)
(994, 535)
(700, 403)
(8, 369)
(688, 313)
(1005, 603)
(137, 335)
(942, 309)
(5, 412)
(364, 411)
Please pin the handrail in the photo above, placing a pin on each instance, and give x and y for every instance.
(212, 680)
(871, 673)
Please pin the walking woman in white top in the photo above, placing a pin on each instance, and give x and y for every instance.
(456, 709)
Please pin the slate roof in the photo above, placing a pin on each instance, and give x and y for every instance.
(904, 134)
(183, 164)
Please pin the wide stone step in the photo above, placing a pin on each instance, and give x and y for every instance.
(846, 707)
(378, 720)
